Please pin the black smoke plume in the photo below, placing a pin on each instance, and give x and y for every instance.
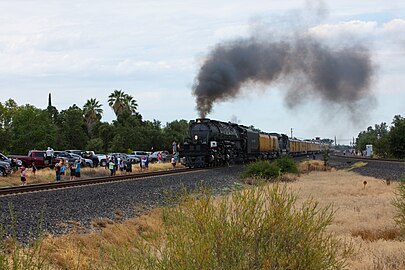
(308, 68)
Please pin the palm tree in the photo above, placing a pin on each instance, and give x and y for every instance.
(120, 102)
(130, 104)
(92, 112)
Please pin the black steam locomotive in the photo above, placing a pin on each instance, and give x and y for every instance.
(216, 143)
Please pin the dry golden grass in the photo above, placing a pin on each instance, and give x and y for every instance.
(364, 216)
(47, 175)
(82, 251)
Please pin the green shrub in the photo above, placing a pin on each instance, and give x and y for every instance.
(262, 169)
(270, 170)
(399, 203)
(252, 229)
(286, 164)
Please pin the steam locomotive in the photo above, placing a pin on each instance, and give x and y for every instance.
(216, 143)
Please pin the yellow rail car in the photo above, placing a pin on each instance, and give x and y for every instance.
(268, 146)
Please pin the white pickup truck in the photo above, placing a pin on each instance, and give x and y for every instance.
(102, 159)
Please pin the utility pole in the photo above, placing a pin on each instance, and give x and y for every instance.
(291, 133)
(335, 141)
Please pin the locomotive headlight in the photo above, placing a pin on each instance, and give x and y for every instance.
(195, 137)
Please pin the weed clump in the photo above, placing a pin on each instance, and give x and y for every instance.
(251, 229)
(15, 255)
(286, 164)
(399, 203)
(270, 170)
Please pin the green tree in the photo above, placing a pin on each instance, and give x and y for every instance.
(175, 131)
(366, 137)
(31, 128)
(152, 136)
(106, 133)
(72, 129)
(92, 113)
(7, 112)
(121, 102)
(397, 137)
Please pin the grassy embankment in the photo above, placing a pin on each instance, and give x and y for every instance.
(363, 218)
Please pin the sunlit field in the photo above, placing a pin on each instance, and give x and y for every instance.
(363, 218)
(48, 175)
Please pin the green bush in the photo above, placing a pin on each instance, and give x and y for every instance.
(270, 170)
(399, 203)
(286, 164)
(262, 169)
(252, 229)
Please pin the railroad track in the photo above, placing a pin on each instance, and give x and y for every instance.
(369, 159)
(89, 181)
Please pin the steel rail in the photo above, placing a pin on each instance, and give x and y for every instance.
(88, 181)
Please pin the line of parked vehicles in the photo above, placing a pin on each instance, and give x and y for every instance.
(86, 158)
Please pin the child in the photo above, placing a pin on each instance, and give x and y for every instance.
(57, 171)
(173, 162)
(34, 169)
(111, 166)
(72, 171)
(62, 168)
(23, 176)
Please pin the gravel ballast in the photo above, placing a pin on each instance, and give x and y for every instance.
(80, 205)
(386, 170)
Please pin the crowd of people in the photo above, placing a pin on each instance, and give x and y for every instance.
(115, 163)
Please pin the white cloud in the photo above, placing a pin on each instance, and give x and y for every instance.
(86, 49)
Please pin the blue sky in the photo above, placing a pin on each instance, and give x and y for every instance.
(153, 51)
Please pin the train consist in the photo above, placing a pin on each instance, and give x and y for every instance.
(215, 143)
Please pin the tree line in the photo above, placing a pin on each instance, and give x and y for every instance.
(25, 127)
(386, 141)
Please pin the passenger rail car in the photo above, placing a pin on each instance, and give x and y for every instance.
(215, 143)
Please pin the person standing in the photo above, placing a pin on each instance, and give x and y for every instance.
(159, 157)
(62, 168)
(142, 163)
(111, 166)
(57, 171)
(34, 169)
(122, 165)
(128, 166)
(72, 171)
(173, 161)
(49, 155)
(174, 147)
(77, 166)
(146, 162)
(23, 176)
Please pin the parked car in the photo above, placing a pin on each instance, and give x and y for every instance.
(99, 159)
(86, 162)
(70, 157)
(138, 155)
(14, 163)
(86, 155)
(125, 157)
(5, 168)
(166, 156)
(37, 156)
